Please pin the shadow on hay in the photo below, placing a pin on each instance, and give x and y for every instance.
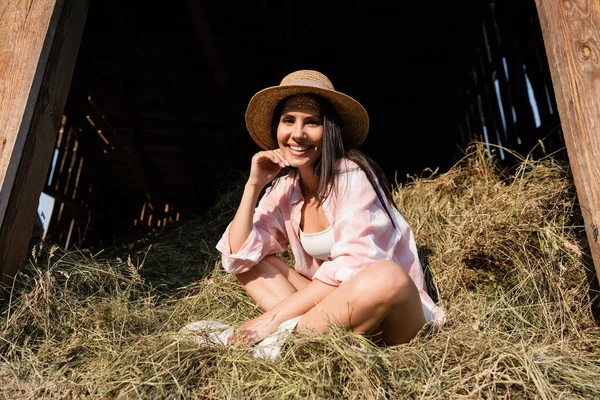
(185, 252)
(424, 253)
(594, 292)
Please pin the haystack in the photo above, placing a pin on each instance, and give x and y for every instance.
(505, 254)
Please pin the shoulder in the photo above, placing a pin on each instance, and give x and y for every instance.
(350, 180)
(344, 165)
(348, 170)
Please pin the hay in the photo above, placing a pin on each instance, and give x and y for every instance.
(505, 252)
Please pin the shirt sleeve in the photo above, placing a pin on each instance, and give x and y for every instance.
(268, 236)
(362, 229)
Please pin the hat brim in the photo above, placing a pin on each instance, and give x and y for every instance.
(260, 109)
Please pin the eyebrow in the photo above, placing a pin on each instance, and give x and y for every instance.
(289, 113)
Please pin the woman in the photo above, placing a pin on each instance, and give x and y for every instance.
(356, 262)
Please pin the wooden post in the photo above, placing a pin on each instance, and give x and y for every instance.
(571, 30)
(38, 50)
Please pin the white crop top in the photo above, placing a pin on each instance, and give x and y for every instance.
(318, 244)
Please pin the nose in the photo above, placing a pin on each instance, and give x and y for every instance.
(298, 131)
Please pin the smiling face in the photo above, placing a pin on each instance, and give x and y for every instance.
(300, 132)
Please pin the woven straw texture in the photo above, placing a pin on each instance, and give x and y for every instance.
(261, 106)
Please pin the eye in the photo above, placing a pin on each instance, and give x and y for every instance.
(287, 120)
(314, 123)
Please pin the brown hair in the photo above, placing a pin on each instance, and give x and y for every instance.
(335, 149)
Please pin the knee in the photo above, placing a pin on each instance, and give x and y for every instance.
(263, 269)
(387, 281)
(268, 267)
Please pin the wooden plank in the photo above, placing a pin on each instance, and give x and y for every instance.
(571, 31)
(35, 73)
(25, 26)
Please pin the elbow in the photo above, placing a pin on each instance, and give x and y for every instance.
(235, 266)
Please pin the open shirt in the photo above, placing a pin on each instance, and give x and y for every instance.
(362, 230)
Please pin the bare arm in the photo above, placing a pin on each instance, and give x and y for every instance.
(265, 166)
(241, 226)
(295, 305)
(300, 302)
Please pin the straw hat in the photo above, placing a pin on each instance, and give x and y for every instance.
(261, 106)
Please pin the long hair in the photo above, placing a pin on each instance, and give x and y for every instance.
(335, 149)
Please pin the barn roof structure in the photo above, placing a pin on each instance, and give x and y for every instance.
(172, 83)
(130, 115)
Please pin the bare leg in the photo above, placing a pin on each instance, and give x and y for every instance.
(271, 281)
(380, 300)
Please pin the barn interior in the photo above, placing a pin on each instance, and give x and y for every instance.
(153, 128)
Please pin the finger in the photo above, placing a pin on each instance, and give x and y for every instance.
(264, 156)
(277, 158)
(235, 340)
(249, 339)
(242, 339)
(282, 158)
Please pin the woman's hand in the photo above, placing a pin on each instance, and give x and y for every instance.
(253, 331)
(265, 167)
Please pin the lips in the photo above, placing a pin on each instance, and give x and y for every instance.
(299, 148)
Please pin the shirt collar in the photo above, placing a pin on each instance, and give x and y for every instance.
(296, 191)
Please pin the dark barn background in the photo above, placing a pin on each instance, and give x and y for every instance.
(154, 121)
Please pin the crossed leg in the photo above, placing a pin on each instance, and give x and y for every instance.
(380, 301)
(271, 281)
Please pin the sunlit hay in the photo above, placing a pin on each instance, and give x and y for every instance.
(507, 257)
(511, 239)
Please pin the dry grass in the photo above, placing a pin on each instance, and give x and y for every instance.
(507, 255)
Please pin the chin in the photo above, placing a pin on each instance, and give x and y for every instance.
(302, 164)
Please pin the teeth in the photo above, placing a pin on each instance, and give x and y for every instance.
(297, 148)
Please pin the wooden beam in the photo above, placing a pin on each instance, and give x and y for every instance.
(36, 64)
(571, 31)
